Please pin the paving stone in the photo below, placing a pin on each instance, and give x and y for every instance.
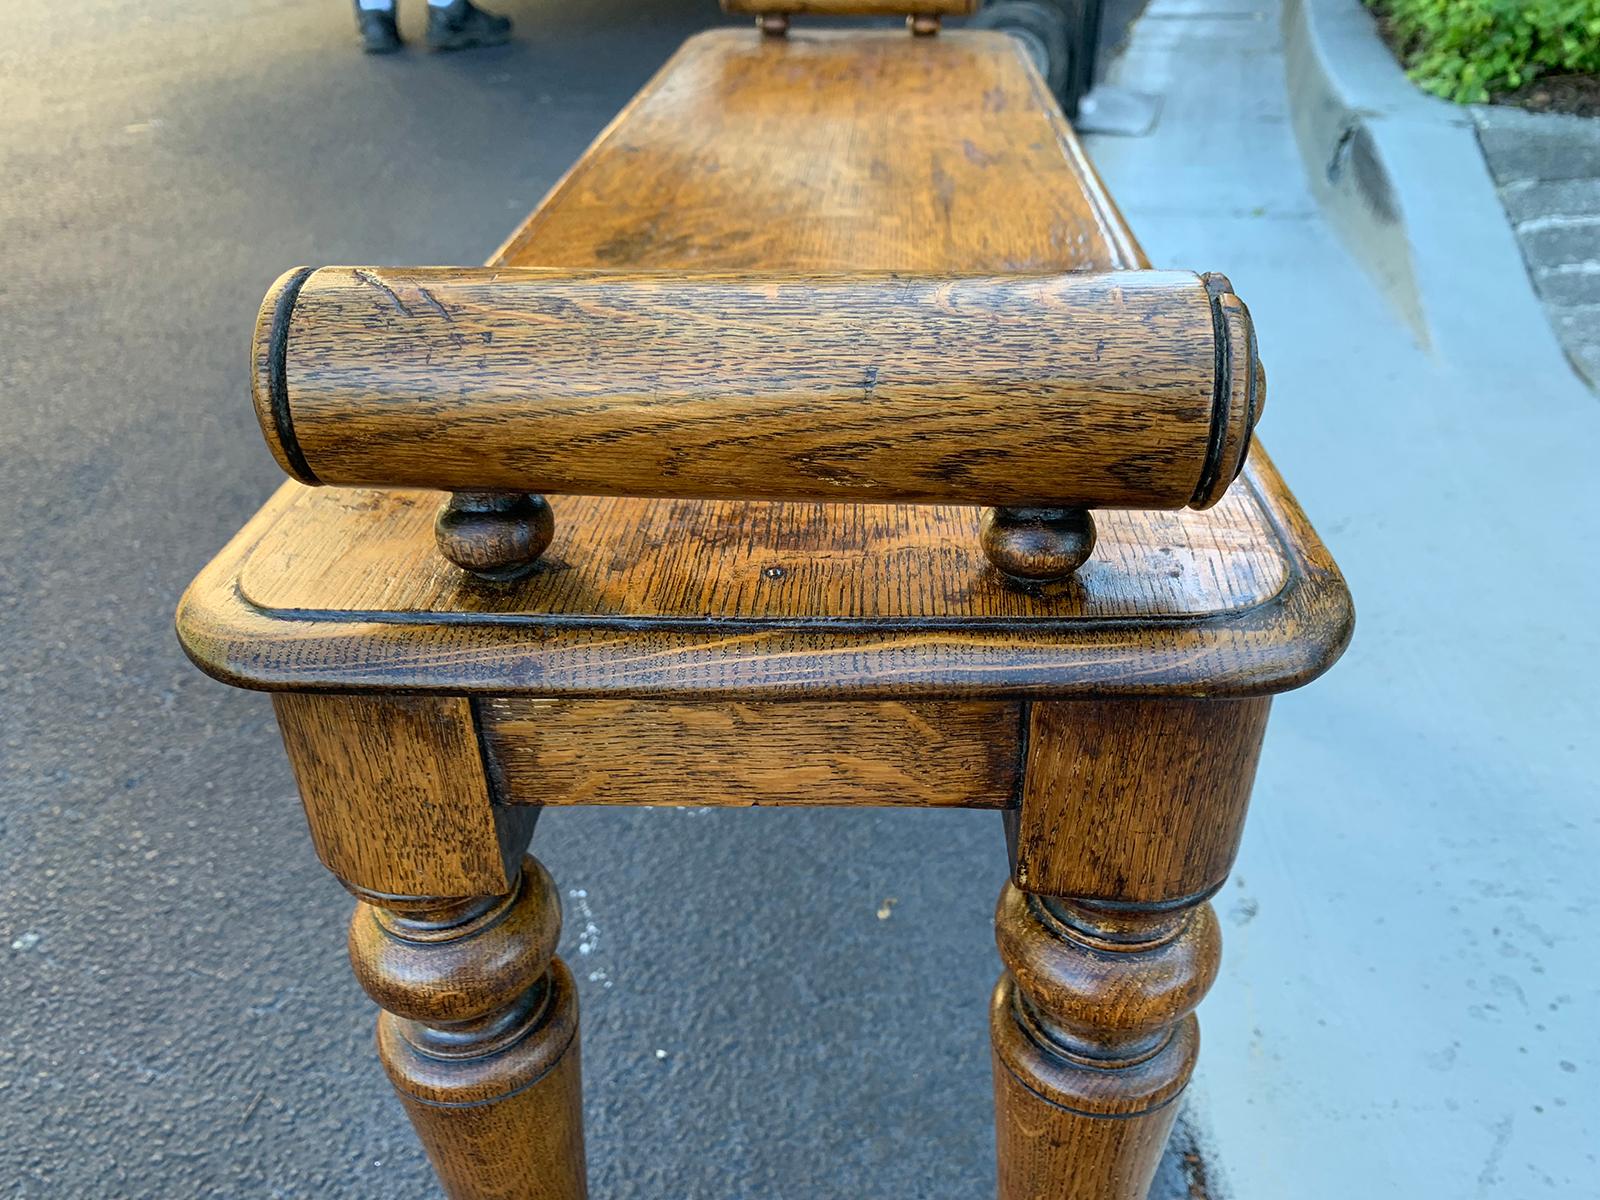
(1524, 145)
(1577, 318)
(1531, 199)
(1547, 167)
(1579, 330)
(1568, 286)
(1561, 241)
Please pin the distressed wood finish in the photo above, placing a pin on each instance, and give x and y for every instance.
(811, 155)
(1135, 801)
(930, 755)
(328, 589)
(396, 795)
(494, 535)
(1067, 390)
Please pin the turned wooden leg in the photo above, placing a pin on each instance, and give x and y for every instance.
(1130, 816)
(454, 937)
(479, 1035)
(1094, 1037)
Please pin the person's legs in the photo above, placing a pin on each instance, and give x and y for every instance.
(375, 20)
(460, 25)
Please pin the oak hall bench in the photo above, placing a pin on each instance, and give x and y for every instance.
(874, 448)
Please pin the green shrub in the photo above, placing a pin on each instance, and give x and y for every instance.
(1466, 50)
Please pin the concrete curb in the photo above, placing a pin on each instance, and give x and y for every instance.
(1401, 177)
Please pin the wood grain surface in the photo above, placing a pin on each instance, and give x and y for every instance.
(1135, 801)
(396, 795)
(834, 151)
(1094, 1039)
(813, 154)
(1075, 389)
(358, 551)
(926, 755)
(484, 644)
(816, 153)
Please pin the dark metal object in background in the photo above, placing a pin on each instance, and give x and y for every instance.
(1061, 37)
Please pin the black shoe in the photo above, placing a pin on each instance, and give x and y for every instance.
(378, 33)
(461, 26)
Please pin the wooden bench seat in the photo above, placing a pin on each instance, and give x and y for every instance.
(816, 152)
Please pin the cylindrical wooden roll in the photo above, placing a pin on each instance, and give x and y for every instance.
(1126, 390)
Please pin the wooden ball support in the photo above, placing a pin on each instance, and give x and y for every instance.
(1044, 396)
